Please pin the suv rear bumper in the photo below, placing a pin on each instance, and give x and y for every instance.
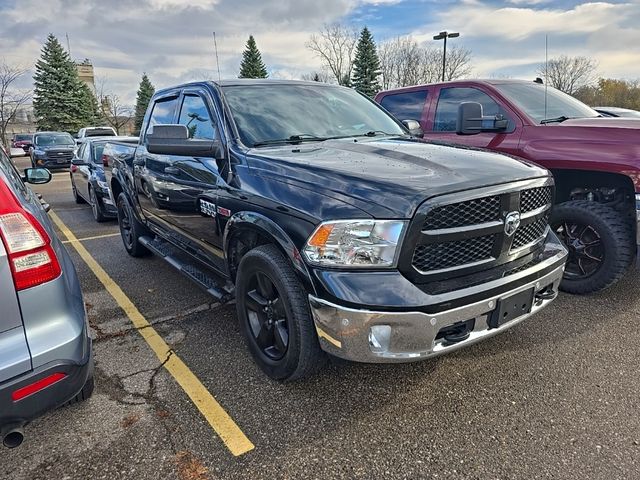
(402, 335)
(33, 406)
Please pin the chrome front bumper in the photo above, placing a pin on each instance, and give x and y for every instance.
(384, 337)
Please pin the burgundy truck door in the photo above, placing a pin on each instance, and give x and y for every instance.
(441, 112)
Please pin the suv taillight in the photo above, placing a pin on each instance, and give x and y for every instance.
(32, 259)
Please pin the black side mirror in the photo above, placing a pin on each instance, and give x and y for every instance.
(36, 176)
(414, 128)
(471, 121)
(174, 140)
(78, 162)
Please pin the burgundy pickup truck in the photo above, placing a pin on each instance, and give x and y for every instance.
(595, 160)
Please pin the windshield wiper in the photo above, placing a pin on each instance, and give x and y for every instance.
(302, 137)
(559, 119)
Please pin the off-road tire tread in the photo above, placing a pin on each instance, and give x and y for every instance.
(619, 247)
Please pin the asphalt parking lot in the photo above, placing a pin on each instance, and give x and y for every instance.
(555, 397)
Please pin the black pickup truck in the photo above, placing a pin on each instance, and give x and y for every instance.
(334, 229)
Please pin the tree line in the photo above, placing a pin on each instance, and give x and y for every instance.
(351, 58)
(61, 101)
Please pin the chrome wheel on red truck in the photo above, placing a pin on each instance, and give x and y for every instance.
(599, 243)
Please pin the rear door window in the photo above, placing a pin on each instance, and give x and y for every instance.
(449, 100)
(163, 112)
(407, 105)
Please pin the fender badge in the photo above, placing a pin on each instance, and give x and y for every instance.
(225, 212)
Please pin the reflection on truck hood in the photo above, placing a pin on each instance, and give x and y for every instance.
(387, 177)
(603, 122)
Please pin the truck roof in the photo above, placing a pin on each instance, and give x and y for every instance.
(245, 82)
(489, 81)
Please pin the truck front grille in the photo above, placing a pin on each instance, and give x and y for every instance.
(60, 157)
(530, 233)
(471, 212)
(437, 256)
(535, 198)
(459, 236)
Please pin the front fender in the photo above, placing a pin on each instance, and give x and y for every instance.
(268, 228)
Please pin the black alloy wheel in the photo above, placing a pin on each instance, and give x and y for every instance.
(274, 316)
(130, 228)
(586, 251)
(600, 242)
(267, 316)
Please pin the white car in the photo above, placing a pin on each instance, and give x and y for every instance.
(94, 132)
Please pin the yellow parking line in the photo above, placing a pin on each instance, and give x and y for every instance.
(235, 440)
(95, 237)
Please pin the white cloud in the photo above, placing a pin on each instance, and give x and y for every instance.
(511, 36)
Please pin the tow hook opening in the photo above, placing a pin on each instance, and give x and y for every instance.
(546, 293)
(456, 333)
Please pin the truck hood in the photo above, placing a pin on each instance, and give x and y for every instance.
(602, 122)
(387, 177)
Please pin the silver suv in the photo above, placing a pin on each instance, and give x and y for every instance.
(45, 349)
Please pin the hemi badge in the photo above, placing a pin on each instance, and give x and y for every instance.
(225, 212)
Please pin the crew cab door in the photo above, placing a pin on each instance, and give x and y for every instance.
(197, 179)
(149, 178)
(180, 192)
(441, 119)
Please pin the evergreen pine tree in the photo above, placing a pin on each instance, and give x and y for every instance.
(90, 109)
(366, 65)
(252, 65)
(145, 92)
(60, 98)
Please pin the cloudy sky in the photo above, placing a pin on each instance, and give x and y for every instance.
(172, 40)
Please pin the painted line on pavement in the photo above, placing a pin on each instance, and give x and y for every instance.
(228, 431)
(95, 237)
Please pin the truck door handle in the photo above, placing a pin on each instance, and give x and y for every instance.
(172, 170)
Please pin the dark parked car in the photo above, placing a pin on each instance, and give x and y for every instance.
(335, 230)
(23, 141)
(617, 112)
(594, 160)
(52, 150)
(45, 349)
(88, 182)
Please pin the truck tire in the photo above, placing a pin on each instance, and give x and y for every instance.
(274, 316)
(600, 242)
(130, 228)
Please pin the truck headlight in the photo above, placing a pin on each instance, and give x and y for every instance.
(355, 243)
(103, 185)
(39, 153)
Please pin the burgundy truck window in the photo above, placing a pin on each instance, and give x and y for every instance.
(407, 105)
(451, 98)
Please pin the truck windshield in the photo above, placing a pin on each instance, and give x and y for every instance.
(54, 139)
(277, 113)
(531, 99)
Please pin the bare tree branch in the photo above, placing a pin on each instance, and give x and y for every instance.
(113, 110)
(335, 45)
(569, 74)
(11, 98)
(403, 63)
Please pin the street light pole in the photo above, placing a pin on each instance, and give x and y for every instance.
(444, 36)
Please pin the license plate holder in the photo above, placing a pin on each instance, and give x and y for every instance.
(512, 307)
